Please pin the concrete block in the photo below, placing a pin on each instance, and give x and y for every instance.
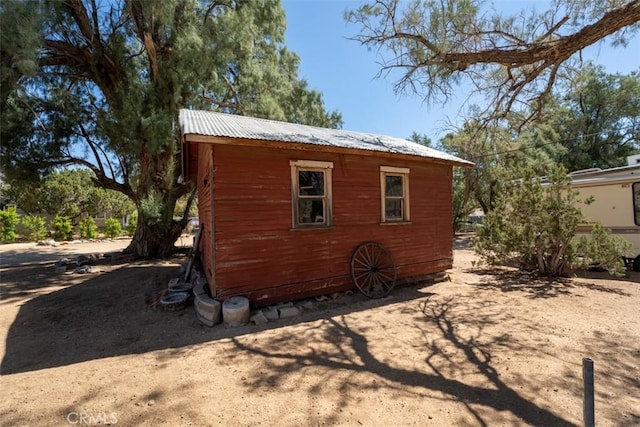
(287, 312)
(207, 309)
(259, 318)
(235, 311)
(204, 321)
(308, 304)
(271, 313)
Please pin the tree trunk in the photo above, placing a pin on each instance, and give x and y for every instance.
(154, 241)
(156, 194)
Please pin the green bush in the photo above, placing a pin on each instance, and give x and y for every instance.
(602, 250)
(88, 228)
(112, 228)
(9, 219)
(35, 227)
(133, 222)
(62, 228)
(531, 225)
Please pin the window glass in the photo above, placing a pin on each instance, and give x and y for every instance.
(311, 183)
(393, 209)
(310, 211)
(393, 185)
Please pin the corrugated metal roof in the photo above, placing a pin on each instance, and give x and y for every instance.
(210, 123)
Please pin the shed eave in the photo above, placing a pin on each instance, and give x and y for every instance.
(303, 146)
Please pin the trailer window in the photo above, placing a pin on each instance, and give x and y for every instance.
(311, 193)
(394, 183)
(636, 202)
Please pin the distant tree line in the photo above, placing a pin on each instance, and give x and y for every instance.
(71, 201)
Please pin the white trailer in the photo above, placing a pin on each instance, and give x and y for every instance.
(616, 205)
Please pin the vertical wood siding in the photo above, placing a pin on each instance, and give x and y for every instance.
(205, 213)
(258, 254)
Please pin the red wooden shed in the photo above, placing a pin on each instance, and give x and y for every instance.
(289, 211)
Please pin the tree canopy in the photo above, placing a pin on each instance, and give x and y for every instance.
(597, 118)
(71, 193)
(99, 84)
(513, 60)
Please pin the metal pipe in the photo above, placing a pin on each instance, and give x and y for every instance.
(588, 408)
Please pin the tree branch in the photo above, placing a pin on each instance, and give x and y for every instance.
(87, 138)
(551, 51)
(80, 15)
(434, 57)
(146, 37)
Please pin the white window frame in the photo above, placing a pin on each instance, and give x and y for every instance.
(327, 200)
(394, 171)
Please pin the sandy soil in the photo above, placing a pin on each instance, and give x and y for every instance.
(488, 347)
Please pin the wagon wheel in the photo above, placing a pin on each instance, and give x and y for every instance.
(373, 270)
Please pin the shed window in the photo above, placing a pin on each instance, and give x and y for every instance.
(394, 184)
(311, 193)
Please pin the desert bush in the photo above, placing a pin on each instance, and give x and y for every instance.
(133, 222)
(532, 225)
(62, 228)
(9, 219)
(602, 250)
(88, 228)
(112, 228)
(35, 227)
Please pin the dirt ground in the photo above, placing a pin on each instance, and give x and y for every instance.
(487, 348)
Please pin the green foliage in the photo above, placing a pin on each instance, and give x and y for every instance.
(9, 219)
(532, 225)
(181, 206)
(152, 210)
(495, 151)
(35, 227)
(69, 192)
(461, 209)
(62, 228)
(88, 228)
(133, 223)
(601, 249)
(420, 139)
(112, 228)
(597, 116)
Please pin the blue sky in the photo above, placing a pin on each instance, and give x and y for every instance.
(345, 72)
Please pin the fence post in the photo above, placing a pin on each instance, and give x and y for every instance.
(588, 408)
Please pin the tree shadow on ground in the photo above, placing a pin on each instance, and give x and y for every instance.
(25, 280)
(536, 286)
(115, 313)
(443, 375)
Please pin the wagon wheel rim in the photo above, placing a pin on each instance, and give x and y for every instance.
(373, 270)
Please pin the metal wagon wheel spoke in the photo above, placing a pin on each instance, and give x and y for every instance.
(373, 270)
